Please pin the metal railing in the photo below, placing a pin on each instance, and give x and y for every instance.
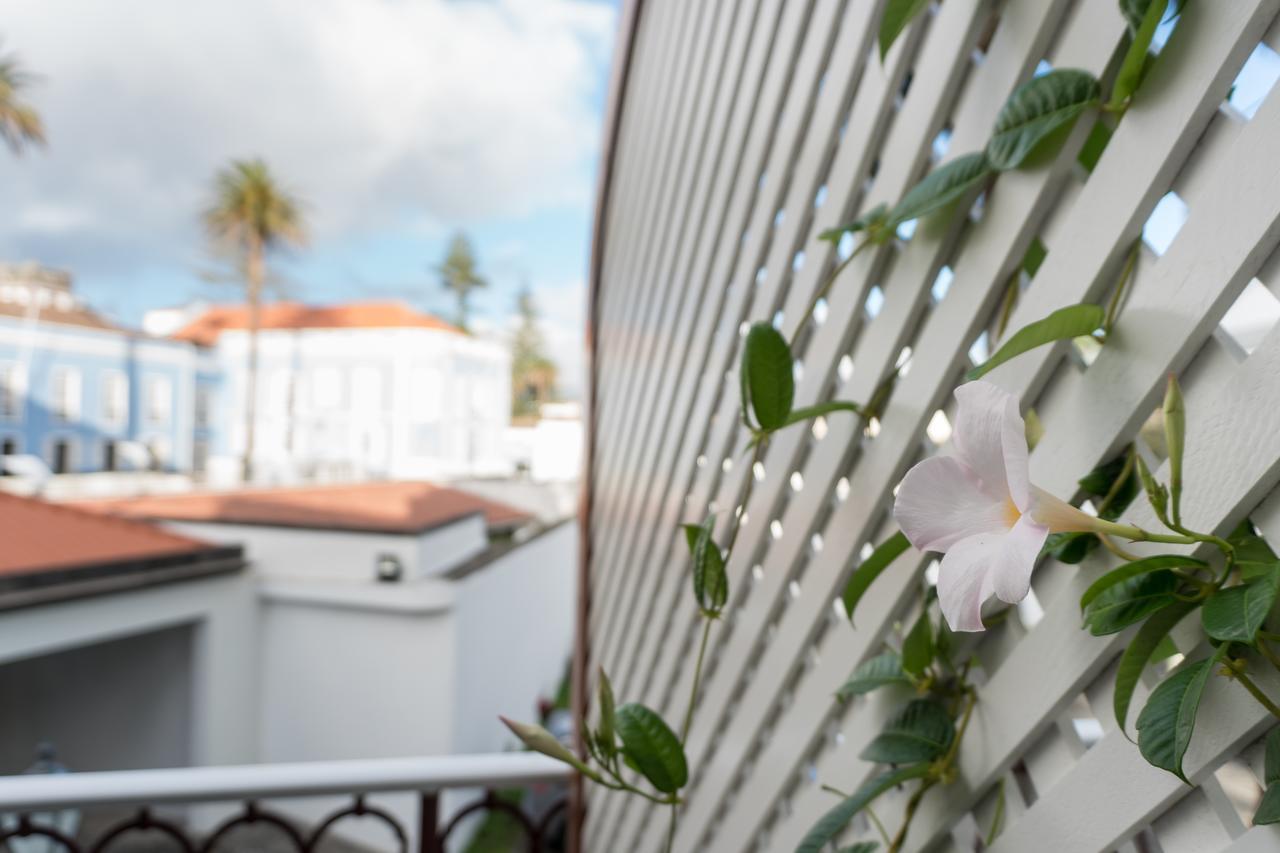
(31, 797)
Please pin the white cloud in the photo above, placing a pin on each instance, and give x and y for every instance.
(375, 112)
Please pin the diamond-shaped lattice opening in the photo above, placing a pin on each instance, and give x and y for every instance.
(1257, 77)
(1250, 318)
(1164, 223)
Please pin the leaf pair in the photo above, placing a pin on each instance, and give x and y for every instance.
(710, 582)
(921, 731)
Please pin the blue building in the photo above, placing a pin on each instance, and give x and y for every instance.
(86, 395)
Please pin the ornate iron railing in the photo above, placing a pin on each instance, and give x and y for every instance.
(31, 797)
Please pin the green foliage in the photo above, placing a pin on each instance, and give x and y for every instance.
(768, 387)
(1094, 145)
(879, 671)
(1130, 601)
(941, 187)
(459, 274)
(710, 583)
(20, 123)
(605, 736)
(1235, 614)
(1269, 809)
(808, 413)
(860, 847)
(1169, 718)
(1061, 325)
(1136, 568)
(1035, 110)
(538, 739)
(917, 648)
(873, 222)
(921, 731)
(1145, 646)
(834, 821)
(533, 373)
(653, 749)
(1143, 17)
(869, 569)
(897, 14)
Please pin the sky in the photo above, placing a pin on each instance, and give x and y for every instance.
(397, 122)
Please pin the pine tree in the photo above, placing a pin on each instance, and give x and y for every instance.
(533, 373)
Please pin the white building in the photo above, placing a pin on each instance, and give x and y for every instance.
(358, 390)
(321, 623)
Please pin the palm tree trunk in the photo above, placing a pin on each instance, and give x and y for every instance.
(253, 276)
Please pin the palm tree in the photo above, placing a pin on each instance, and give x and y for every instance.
(251, 215)
(458, 273)
(19, 122)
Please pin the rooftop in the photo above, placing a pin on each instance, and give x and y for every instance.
(206, 328)
(383, 507)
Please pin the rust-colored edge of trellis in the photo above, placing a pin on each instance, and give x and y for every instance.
(618, 76)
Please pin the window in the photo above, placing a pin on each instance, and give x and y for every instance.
(200, 456)
(109, 455)
(11, 392)
(202, 406)
(326, 387)
(66, 393)
(115, 398)
(60, 456)
(8, 447)
(159, 399)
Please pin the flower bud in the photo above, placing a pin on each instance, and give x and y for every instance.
(1175, 433)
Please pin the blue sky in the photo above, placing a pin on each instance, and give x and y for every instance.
(397, 121)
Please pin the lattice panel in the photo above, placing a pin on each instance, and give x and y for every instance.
(746, 128)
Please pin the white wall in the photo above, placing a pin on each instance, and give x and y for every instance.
(515, 632)
(220, 615)
(314, 554)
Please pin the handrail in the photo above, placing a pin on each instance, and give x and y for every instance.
(299, 779)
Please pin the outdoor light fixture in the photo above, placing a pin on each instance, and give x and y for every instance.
(389, 568)
(64, 821)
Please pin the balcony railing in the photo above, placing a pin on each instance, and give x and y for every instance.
(33, 798)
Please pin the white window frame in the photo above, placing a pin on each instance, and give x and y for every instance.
(153, 414)
(115, 381)
(66, 390)
(13, 392)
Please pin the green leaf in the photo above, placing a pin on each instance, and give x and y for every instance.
(1035, 110)
(768, 384)
(917, 648)
(1094, 145)
(874, 673)
(1061, 325)
(1138, 567)
(1269, 809)
(710, 583)
(1271, 764)
(1135, 58)
(941, 187)
(919, 732)
(1130, 601)
(1250, 547)
(834, 821)
(653, 747)
(897, 14)
(606, 739)
(1140, 652)
(538, 739)
(879, 671)
(1169, 718)
(1235, 614)
(873, 222)
(869, 569)
(819, 409)
(1069, 548)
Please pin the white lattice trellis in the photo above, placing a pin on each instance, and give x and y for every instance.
(747, 127)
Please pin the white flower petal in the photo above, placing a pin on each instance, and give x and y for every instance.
(964, 580)
(1011, 574)
(990, 437)
(941, 502)
(1059, 516)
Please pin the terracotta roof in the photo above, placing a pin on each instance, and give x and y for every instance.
(388, 507)
(78, 316)
(39, 536)
(204, 330)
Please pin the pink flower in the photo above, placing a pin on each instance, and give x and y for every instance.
(980, 509)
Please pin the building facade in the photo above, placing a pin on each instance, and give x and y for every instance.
(343, 392)
(84, 395)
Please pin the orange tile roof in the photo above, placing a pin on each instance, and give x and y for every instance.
(204, 330)
(80, 315)
(38, 536)
(388, 507)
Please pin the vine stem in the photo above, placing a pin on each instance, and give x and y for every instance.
(697, 677)
(1268, 652)
(826, 287)
(1248, 684)
(912, 805)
